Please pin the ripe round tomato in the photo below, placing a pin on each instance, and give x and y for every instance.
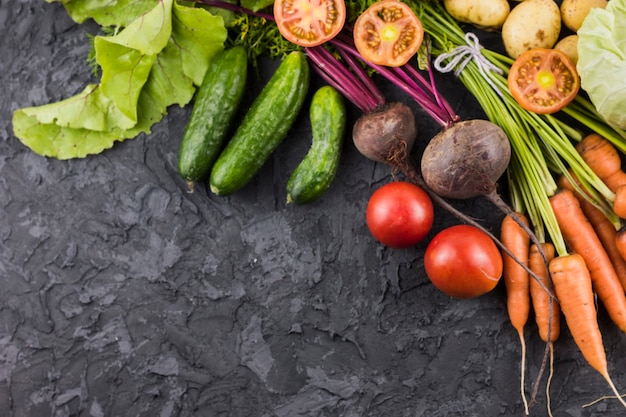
(388, 33)
(309, 23)
(399, 214)
(543, 80)
(463, 262)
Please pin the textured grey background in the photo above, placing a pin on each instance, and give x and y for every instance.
(124, 295)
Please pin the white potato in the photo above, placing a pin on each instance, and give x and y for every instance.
(573, 12)
(488, 15)
(531, 24)
(569, 46)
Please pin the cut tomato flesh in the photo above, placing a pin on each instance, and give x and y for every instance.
(543, 80)
(388, 33)
(309, 22)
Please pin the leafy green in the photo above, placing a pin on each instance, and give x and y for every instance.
(106, 12)
(601, 40)
(259, 36)
(156, 61)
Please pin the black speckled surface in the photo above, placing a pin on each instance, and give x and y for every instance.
(124, 295)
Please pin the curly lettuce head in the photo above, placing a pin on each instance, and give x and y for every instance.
(602, 60)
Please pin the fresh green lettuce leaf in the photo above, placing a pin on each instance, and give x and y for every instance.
(197, 40)
(117, 13)
(87, 110)
(124, 73)
(146, 68)
(602, 60)
(126, 58)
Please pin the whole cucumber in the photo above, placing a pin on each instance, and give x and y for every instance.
(317, 170)
(216, 104)
(264, 126)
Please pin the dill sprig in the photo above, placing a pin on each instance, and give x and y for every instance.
(259, 36)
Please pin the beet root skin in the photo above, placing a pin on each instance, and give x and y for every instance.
(466, 160)
(386, 134)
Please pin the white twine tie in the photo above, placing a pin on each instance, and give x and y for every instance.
(462, 55)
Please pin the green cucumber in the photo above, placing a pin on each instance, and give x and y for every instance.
(264, 126)
(216, 104)
(314, 174)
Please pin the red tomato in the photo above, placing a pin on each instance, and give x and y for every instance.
(399, 214)
(309, 23)
(463, 262)
(388, 33)
(543, 80)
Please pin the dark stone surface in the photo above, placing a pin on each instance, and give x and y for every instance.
(124, 295)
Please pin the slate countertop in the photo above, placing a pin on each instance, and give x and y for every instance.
(124, 295)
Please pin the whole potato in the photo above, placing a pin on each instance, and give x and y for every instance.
(531, 24)
(488, 15)
(569, 46)
(573, 12)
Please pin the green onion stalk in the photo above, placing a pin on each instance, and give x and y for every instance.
(542, 145)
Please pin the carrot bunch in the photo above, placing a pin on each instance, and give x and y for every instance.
(604, 160)
(591, 262)
(524, 291)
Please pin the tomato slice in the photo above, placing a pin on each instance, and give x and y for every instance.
(309, 22)
(543, 80)
(388, 33)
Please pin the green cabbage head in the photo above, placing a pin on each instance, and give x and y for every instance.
(602, 60)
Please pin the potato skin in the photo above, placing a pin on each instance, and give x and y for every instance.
(573, 12)
(488, 15)
(531, 24)
(569, 46)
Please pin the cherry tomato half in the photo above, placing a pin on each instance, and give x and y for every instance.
(309, 22)
(388, 33)
(399, 214)
(543, 80)
(462, 261)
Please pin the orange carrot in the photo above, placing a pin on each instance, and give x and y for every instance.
(546, 317)
(516, 281)
(582, 239)
(604, 229)
(619, 204)
(573, 287)
(546, 308)
(620, 242)
(603, 159)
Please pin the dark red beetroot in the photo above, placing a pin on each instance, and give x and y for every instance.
(466, 160)
(386, 134)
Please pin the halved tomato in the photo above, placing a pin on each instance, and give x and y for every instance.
(388, 33)
(309, 22)
(543, 80)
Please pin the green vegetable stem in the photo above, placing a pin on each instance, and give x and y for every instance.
(542, 144)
